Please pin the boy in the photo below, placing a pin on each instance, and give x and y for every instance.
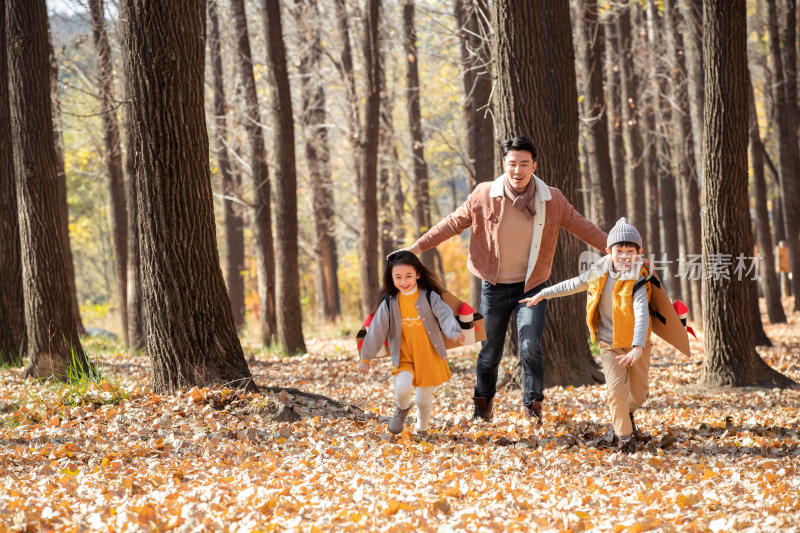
(620, 319)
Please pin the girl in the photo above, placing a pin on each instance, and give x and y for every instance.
(409, 318)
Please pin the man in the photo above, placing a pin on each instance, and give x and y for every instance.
(515, 221)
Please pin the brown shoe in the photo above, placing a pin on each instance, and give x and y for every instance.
(483, 410)
(628, 447)
(534, 411)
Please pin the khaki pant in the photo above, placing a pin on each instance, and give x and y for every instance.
(627, 386)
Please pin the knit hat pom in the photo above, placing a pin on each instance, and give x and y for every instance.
(623, 231)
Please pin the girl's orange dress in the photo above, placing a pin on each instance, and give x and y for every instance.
(417, 354)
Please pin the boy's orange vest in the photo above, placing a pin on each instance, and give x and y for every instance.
(622, 318)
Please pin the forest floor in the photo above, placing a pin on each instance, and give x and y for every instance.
(112, 456)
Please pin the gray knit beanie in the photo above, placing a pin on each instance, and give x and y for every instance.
(623, 231)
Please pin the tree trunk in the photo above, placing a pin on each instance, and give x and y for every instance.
(368, 182)
(656, 149)
(288, 310)
(772, 291)
(345, 67)
(315, 130)
(598, 158)
(730, 355)
(136, 333)
(422, 210)
(261, 218)
(13, 337)
(191, 334)
(784, 89)
(632, 134)
(616, 147)
(391, 218)
(536, 78)
(54, 349)
(63, 205)
(231, 220)
(473, 17)
(693, 50)
(116, 182)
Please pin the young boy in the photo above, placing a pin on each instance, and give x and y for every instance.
(620, 319)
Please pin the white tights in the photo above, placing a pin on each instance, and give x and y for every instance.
(402, 391)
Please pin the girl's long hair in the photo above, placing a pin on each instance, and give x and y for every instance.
(427, 279)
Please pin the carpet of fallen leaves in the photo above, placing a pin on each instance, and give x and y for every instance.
(115, 457)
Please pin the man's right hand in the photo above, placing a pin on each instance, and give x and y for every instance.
(364, 367)
(414, 249)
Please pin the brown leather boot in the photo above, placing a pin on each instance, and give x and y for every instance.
(534, 411)
(483, 410)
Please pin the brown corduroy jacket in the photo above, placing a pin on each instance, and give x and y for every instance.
(483, 212)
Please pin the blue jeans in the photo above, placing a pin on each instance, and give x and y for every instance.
(498, 302)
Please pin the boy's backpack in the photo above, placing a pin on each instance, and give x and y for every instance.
(670, 318)
(471, 322)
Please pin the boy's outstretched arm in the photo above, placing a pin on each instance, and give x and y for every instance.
(565, 288)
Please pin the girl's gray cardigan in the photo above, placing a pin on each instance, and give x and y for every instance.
(386, 325)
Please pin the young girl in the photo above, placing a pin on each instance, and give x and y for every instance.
(409, 317)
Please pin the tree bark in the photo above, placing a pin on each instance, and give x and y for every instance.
(656, 150)
(730, 355)
(54, 349)
(315, 130)
(13, 337)
(784, 89)
(57, 128)
(474, 30)
(693, 51)
(116, 182)
(288, 310)
(536, 79)
(632, 107)
(769, 279)
(136, 333)
(368, 180)
(598, 158)
(683, 144)
(261, 218)
(191, 337)
(613, 82)
(231, 219)
(422, 209)
(345, 67)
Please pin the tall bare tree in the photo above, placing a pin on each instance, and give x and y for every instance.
(768, 277)
(315, 131)
(136, 332)
(598, 157)
(287, 301)
(116, 182)
(474, 29)
(13, 338)
(368, 179)
(54, 349)
(632, 108)
(191, 336)
(730, 355)
(61, 195)
(231, 219)
(682, 146)
(261, 216)
(613, 84)
(422, 200)
(692, 11)
(786, 117)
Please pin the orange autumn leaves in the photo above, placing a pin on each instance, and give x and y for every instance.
(217, 460)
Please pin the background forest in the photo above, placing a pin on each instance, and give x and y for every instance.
(196, 198)
(450, 58)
